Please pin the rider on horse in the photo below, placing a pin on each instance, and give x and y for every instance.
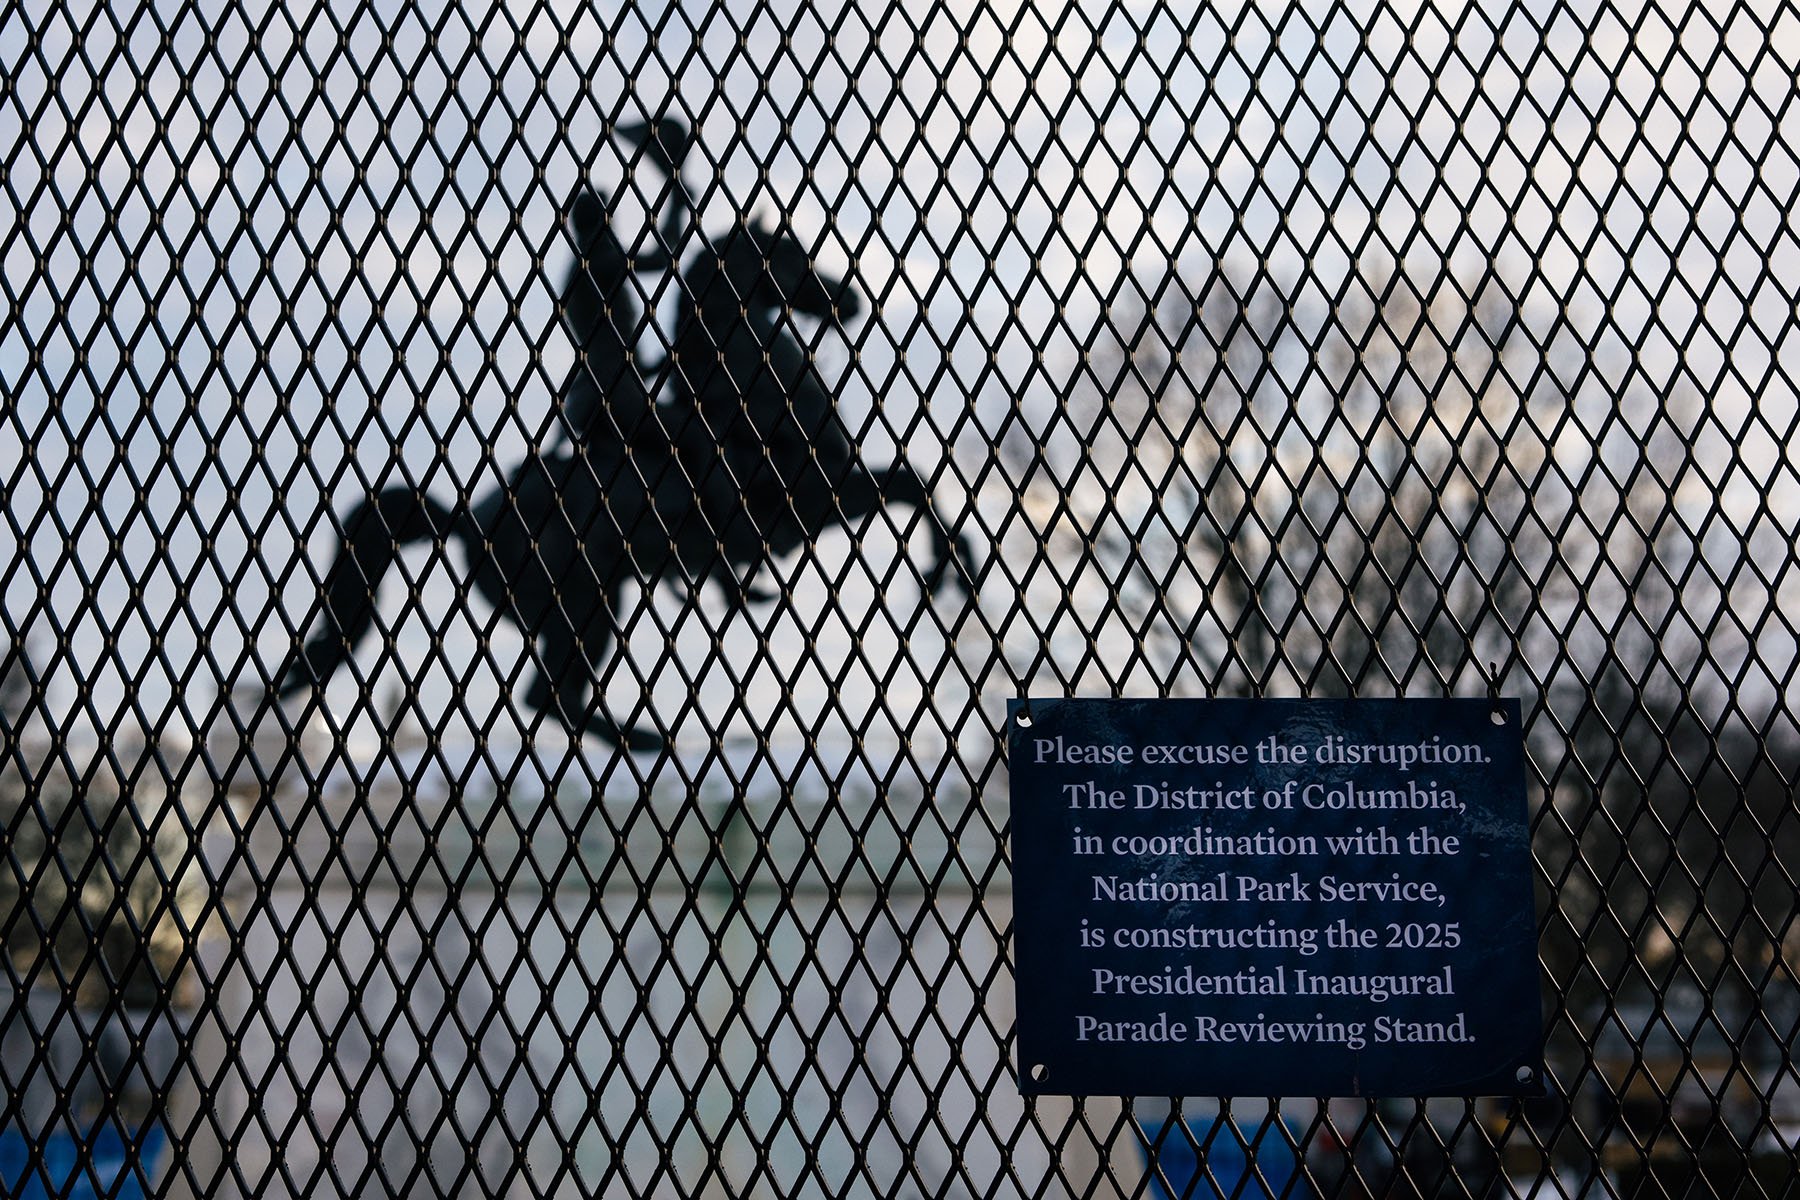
(750, 460)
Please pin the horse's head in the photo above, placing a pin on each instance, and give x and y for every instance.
(770, 271)
(600, 269)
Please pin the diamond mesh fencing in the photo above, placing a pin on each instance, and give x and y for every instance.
(521, 523)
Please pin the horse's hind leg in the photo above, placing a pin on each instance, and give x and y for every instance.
(862, 492)
(373, 534)
(564, 685)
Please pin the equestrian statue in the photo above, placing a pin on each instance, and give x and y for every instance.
(749, 460)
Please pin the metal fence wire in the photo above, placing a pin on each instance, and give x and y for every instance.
(522, 522)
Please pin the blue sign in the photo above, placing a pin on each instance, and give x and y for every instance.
(1273, 897)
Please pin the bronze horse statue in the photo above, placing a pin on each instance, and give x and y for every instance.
(750, 460)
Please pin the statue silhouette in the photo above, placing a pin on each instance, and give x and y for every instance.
(766, 420)
(605, 398)
(749, 460)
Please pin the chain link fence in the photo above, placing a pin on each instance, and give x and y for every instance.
(521, 523)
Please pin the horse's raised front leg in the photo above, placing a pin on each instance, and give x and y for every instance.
(863, 492)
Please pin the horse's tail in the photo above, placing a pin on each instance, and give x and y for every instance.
(373, 534)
